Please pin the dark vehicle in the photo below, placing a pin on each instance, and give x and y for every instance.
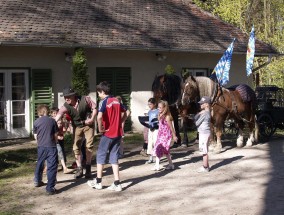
(270, 109)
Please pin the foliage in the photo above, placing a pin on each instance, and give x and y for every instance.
(80, 72)
(267, 18)
(169, 70)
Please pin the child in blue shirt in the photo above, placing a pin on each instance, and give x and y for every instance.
(45, 132)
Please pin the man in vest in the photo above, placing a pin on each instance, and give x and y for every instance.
(82, 111)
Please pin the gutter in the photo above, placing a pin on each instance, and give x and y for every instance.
(57, 45)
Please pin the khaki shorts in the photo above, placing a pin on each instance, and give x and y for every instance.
(88, 132)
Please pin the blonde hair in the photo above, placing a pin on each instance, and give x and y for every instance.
(166, 111)
(42, 110)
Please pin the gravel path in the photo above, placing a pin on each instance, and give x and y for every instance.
(242, 181)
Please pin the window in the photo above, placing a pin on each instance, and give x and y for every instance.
(186, 72)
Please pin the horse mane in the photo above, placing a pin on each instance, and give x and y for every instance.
(169, 86)
(206, 86)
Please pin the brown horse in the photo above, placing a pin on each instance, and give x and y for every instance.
(237, 102)
(168, 87)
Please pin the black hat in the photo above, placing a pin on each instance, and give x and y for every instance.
(205, 99)
(68, 91)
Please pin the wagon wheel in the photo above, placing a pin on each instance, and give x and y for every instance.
(266, 125)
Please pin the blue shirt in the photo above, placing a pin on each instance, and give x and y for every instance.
(153, 117)
(45, 129)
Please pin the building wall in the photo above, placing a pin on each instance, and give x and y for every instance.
(144, 66)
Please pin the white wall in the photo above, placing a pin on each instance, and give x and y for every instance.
(144, 66)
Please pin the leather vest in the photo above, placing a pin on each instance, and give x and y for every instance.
(79, 116)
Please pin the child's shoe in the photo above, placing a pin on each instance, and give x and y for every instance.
(143, 153)
(114, 187)
(203, 169)
(94, 184)
(170, 167)
(149, 161)
(156, 168)
(38, 184)
(51, 192)
(79, 173)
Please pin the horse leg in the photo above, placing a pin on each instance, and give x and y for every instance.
(184, 129)
(212, 142)
(253, 135)
(218, 146)
(174, 113)
(240, 139)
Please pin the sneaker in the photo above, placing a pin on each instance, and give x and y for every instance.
(79, 173)
(51, 192)
(155, 168)
(170, 167)
(203, 169)
(93, 183)
(149, 161)
(114, 187)
(143, 153)
(38, 184)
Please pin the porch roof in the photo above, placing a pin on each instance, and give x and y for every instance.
(158, 25)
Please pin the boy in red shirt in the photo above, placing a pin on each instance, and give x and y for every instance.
(110, 119)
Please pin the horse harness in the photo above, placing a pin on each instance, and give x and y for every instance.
(216, 96)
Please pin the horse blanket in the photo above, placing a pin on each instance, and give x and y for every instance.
(247, 94)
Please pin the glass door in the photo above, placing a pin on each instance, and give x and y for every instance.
(14, 115)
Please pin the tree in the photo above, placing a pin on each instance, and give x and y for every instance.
(267, 16)
(80, 72)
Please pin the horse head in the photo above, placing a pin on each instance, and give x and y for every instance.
(167, 87)
(190, 91)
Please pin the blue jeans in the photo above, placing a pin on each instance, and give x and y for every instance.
(50, 155)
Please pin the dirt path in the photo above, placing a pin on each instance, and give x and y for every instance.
(246, 181)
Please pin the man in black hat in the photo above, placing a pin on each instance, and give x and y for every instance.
(82, 111)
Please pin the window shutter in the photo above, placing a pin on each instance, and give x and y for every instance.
(119, 79)
(41, 89)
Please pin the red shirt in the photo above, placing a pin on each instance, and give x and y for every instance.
(111, 109)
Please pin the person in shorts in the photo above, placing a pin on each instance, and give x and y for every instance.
(202, 121)
(110, 120)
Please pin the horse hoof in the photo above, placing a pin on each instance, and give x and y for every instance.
(249, 143)
(240, 143)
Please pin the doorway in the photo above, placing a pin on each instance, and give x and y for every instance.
(14, 103)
